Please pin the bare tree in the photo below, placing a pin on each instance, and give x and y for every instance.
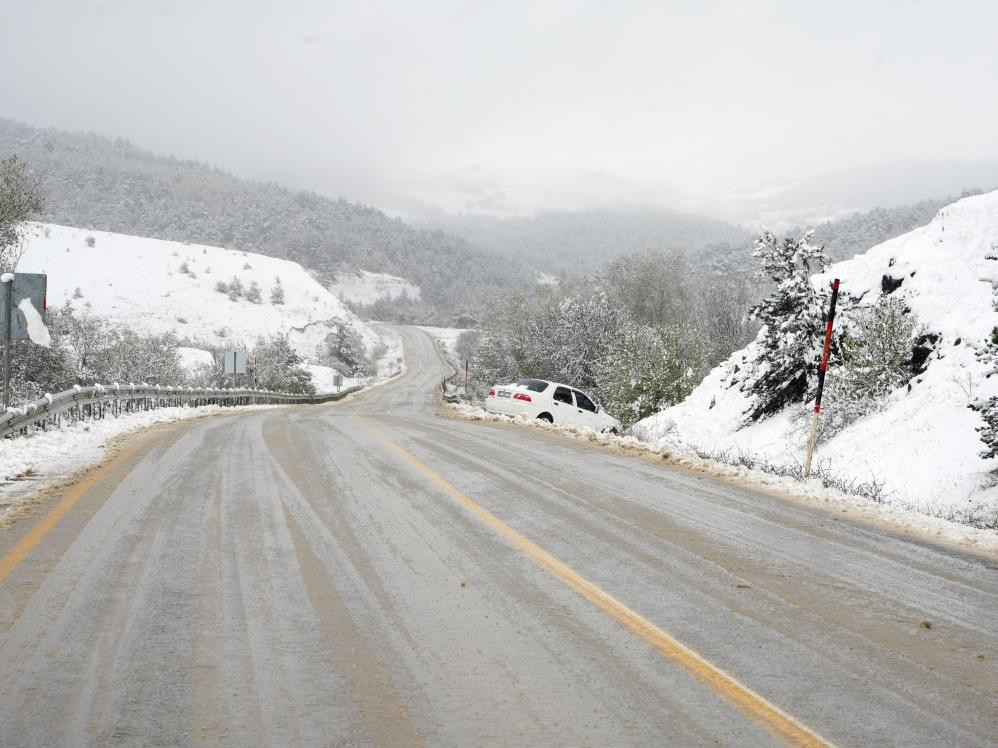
(20, 200)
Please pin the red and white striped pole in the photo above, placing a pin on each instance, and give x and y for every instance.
(821, 377)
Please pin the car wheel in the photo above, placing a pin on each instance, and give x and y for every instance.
(545, 417)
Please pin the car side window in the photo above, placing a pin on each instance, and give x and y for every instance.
(584, 402)
(562, 395)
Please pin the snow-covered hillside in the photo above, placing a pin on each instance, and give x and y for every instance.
(923, 445)
(158, 286)
(366, 288)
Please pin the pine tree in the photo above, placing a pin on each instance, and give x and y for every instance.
(235, 288)
(277, 293)
(792, 316)
(343, 349)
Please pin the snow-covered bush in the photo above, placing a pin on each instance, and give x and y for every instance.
(874, 360)
(648, 369)
(100, 353)
(790, 350)
(276, 366)
(91, 241)
(220, 286)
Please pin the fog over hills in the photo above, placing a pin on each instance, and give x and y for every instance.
(108, 184)
(582, 241)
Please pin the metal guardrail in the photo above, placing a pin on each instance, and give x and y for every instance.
(99, 400)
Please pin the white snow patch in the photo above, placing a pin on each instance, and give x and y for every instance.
(37, 331)
(193, 359)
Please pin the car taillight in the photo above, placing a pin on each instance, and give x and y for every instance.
(521, 396)
(492, 393)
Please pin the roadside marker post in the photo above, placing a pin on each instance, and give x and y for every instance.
(821, 377)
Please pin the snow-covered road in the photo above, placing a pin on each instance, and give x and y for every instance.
(371, 573)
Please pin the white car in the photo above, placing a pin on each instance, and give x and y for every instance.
(552, 402)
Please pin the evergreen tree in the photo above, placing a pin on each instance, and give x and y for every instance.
(277, 293)
(343, 349)
(235, 288)
(792, 315)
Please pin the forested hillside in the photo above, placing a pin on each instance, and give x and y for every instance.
(108, 184)
(581, 242)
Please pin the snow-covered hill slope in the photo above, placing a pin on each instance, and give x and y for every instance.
(923, 445)
(156, 286)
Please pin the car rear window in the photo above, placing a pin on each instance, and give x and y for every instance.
(536, 385)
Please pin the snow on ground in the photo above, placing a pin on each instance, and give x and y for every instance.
(324, 379)
(193, 359)
(140, 282)
(447, 337)
(365, 288)
(29, 463)
(923, 446)
(895, 517)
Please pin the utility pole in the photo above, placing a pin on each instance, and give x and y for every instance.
(821, 377)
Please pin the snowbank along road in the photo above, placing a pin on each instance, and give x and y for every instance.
(372, 573)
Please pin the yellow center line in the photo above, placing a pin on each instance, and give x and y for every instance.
(740, 696)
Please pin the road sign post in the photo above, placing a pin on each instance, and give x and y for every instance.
(821, 377)
(235, 362)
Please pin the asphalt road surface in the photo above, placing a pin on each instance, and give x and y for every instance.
(371, 573)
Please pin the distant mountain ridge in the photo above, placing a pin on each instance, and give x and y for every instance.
(109, 184)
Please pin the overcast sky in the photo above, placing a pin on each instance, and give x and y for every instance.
(514, 105)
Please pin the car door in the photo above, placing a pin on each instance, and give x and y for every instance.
(585, 411)
(563, 407)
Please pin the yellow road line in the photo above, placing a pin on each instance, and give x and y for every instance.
(25, 545)
(741, 697)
